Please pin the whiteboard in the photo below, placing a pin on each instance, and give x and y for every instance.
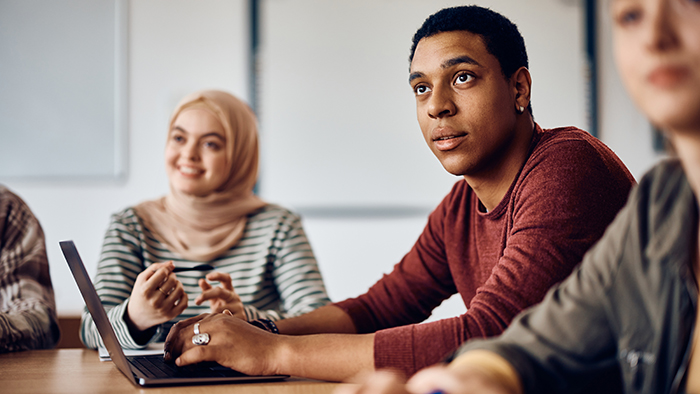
(62, 89)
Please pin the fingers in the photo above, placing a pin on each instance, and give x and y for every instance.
(233, 310)
(150, 271)
(181, 303)
(155, 266)
(223, 278)
(168, 285)
(179, 333)
(176, 299)
(441, 379)
(163, 277)
(195, 355)
(204, 285)
(217, 292)
(380, 382)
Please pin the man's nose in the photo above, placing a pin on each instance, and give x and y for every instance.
(441, 103)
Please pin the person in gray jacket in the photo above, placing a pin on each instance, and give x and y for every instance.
(632, 304)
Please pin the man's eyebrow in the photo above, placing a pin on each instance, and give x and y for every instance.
(459, 60)
(447, 64)
(413, 76)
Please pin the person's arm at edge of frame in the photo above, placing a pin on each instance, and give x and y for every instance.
(32, 323)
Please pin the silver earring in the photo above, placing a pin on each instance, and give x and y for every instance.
(521, 109)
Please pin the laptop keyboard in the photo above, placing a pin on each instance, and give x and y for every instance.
(155, 367)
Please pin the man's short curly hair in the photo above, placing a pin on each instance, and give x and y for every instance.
(500, 35)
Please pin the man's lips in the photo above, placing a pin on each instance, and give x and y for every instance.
(447, 139)
(668, 76)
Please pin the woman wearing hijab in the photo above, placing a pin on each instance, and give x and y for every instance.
(259, 262)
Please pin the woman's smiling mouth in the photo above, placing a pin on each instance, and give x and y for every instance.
(187, 170)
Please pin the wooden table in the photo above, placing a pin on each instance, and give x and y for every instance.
(81, 371)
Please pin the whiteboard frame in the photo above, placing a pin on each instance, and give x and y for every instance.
(121, 102)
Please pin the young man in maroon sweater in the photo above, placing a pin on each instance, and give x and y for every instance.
(531, 203)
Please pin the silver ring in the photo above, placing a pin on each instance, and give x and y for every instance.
(200, 339)
(196, 328)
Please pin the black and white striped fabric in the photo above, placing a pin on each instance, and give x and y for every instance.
(273, 270)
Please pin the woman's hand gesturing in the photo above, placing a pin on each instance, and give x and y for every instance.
(221, 297)
(157, 297)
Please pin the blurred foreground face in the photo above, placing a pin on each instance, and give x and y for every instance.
(657, 49)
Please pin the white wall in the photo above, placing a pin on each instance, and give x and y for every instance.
(175, 47)
(337, 120)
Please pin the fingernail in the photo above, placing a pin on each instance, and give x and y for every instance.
(166, 356)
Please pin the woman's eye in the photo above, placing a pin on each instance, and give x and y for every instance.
(212, 145)
(463, 78)
(178, 138)
(628, 16)
(421, 90)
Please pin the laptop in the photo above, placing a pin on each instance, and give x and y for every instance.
(147, 370)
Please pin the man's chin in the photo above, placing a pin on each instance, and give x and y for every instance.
(456, 167)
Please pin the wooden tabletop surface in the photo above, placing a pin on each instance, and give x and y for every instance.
(81, 371)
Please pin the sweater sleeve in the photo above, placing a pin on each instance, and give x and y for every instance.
(295, 272)
(121, 261)
(27, 307)
(559, 205)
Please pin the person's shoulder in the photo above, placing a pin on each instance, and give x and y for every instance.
(563, 137)
(13, 204)
(272, 211)
(6, 193)
(664, 207)
(665, 182)
(571, 146)
(8, 197)
(126, 216)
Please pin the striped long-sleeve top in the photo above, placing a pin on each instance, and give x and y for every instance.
(27, 306)
(272, 267)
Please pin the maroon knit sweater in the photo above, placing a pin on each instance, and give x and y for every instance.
(569, 189)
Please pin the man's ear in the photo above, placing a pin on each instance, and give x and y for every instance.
(521, 82)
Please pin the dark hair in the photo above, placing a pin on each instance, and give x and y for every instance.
(501, 36)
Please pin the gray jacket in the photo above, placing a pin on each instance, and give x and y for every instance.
(630, 305)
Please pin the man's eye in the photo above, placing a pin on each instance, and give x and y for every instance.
(463, 78)
(421, 90)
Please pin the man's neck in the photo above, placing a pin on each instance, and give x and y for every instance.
(492, 184)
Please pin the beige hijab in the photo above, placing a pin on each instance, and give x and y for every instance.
(202, 228)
